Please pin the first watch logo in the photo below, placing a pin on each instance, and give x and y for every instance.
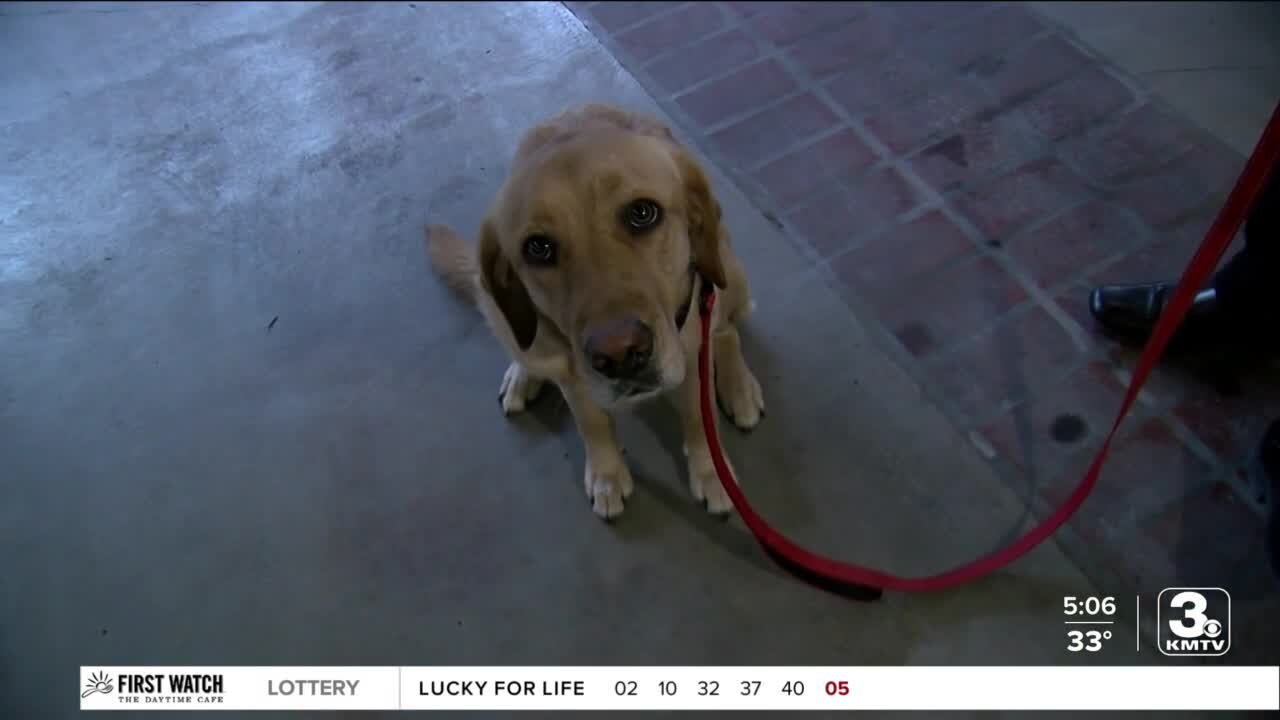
(1194, 622)
(154, 688)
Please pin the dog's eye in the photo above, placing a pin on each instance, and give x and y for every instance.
(641, 215)
(540, 250)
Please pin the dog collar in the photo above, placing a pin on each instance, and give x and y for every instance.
(683, 313)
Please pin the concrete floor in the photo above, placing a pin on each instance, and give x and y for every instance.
(1217, 63)
(240, 423)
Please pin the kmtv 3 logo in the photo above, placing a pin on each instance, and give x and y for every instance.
(1194, 622)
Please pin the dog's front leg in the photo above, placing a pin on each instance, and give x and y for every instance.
(519, 389)
(703, 481)
(607, 480)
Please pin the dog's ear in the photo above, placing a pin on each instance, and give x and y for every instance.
(500, 280)
(704, 218)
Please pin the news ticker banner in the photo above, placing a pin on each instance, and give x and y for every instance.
(1200, 687)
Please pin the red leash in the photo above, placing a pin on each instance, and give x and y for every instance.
(868, 583)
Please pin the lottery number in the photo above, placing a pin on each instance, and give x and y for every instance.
(667, 687)
(708, 688)
(793, 688)
(625, 687)
(750, 687)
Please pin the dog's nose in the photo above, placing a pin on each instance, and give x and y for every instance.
(619, 349)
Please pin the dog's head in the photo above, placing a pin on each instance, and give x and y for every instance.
(595, 236)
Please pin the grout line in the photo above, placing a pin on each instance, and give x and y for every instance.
(761, 56)
(1010, 404)
(918, 211)
(673, 50)
(645, 20)
(1225, 467)
(765, 49)
(803, 144)
(713, 128)
(983, 446)
(1037, 294)
(847, 182)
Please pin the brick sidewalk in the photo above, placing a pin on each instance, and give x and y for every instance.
(963, 173)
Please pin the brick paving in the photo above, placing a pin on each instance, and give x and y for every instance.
(965, 172)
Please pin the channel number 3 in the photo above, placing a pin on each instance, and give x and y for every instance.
(1193, 606)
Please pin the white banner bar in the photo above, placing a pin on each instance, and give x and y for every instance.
(680, 688)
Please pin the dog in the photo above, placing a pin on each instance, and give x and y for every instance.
(589, 268)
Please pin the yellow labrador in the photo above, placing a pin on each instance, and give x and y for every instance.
(589, 270)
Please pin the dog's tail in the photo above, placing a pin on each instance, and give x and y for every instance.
(453, 260)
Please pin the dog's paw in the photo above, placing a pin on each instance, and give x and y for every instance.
(607, 491)
(704, 484)
(740, 395)
(519, 389)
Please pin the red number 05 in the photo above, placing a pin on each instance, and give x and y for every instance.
(837, 688)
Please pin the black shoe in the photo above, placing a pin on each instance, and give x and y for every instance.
(1269, 455)
(1131, 311)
